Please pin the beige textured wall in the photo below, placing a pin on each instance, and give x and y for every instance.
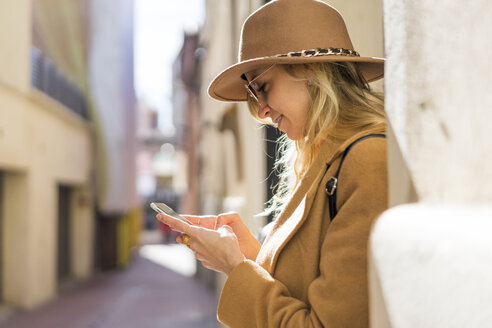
(41, 144)
(15, 248)
(47, 150)
(15, 50)
(364, 20)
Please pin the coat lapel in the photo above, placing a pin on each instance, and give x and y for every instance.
(297, 209)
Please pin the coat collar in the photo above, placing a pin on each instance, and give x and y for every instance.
(297, 209)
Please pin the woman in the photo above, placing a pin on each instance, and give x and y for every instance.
(298, 70)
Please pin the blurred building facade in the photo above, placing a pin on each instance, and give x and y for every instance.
(110, 76)
(186, 119)
(66, 91)
(155, 164)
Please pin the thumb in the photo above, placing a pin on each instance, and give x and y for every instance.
(226, 228)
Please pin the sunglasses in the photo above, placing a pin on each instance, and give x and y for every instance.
(256, 92)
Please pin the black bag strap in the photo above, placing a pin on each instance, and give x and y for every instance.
(331, 184)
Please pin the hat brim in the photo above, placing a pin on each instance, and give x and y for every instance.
(229, 86)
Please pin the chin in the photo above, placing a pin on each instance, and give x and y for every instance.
(293, 136)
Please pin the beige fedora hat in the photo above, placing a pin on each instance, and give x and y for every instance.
(291, 32)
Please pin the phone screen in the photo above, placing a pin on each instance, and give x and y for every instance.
(163, 208)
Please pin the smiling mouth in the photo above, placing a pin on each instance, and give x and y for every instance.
(278, 119)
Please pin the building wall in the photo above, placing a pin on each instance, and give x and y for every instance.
(364, 20)
(42, 144)
(110, 70)
(111, 84)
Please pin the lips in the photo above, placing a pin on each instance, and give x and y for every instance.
(278, 119)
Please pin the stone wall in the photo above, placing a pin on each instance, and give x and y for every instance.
(438, 99)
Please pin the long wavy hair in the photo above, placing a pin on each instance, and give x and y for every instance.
(341, 104)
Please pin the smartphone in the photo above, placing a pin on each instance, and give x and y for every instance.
(163, 208)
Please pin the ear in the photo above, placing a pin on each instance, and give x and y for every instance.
(309, 73)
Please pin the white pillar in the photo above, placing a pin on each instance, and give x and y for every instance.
(431, 267)
(438, 81)
(427, 260)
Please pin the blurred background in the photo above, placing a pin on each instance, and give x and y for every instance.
(103, 109)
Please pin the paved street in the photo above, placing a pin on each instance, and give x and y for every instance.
(146, 294)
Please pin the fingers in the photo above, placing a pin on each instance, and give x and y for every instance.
(217, 250)
(194, 219)
(226, 218)
(183, 227)
(207, 221)
(198, 238)
(174, 224)
(225, 228)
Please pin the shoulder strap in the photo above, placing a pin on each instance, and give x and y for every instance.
(331, 184)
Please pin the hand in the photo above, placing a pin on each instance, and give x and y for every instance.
(248, 244)
(216, 249)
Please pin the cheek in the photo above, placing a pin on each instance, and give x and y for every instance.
(302, 104)
(290, 98)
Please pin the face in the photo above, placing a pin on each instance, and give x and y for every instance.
(283, 99)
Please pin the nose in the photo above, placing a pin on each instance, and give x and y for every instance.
(264, 111)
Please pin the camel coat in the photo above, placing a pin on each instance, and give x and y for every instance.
(310, 272)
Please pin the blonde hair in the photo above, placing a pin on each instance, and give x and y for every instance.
(342, 104)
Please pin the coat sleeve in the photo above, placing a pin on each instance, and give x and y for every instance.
(339, 296)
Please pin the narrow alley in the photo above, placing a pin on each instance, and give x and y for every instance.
(144, 295)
